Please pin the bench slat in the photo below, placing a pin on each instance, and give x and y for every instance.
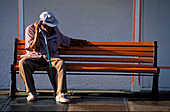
(107, 53)
(111, 69)
(20, 46)
(16, 67)
(21, 42)
(107, 65)
(100, 48)
(21, 52)
(104, 53)
(102, 69)
(98, 59)
(149, 44)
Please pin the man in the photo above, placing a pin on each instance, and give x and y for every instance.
(36, 55)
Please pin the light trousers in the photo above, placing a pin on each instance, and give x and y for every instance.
(27, 65)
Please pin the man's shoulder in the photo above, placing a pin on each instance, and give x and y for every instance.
(30, 28)
(56, 29)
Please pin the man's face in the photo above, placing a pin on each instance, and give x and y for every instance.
(46, 28)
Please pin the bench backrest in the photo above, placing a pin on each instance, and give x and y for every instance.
(131, 57)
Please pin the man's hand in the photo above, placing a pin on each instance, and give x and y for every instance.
(82, 42)
(37, 26)
(79, 42)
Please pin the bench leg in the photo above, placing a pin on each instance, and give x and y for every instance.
(13, 88)
(155, 92)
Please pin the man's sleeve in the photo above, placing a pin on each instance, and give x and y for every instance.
(29, 36)
(63, 40)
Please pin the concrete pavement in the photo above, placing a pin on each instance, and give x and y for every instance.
(87, 101)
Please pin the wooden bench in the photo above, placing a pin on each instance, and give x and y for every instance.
(101, 58)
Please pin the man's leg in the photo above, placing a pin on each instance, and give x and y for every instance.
(27, 66)
(60, 77)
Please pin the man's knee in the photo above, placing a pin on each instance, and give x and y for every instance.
(61, 62)
(58, 64)
(21, 62)
(24, 61)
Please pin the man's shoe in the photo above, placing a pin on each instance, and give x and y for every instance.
(60, 98)
(32, 96)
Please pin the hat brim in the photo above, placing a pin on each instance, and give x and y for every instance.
(52, 24)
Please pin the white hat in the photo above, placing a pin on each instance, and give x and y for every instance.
(49, 19)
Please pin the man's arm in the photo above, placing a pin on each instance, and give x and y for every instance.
(36, 43)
